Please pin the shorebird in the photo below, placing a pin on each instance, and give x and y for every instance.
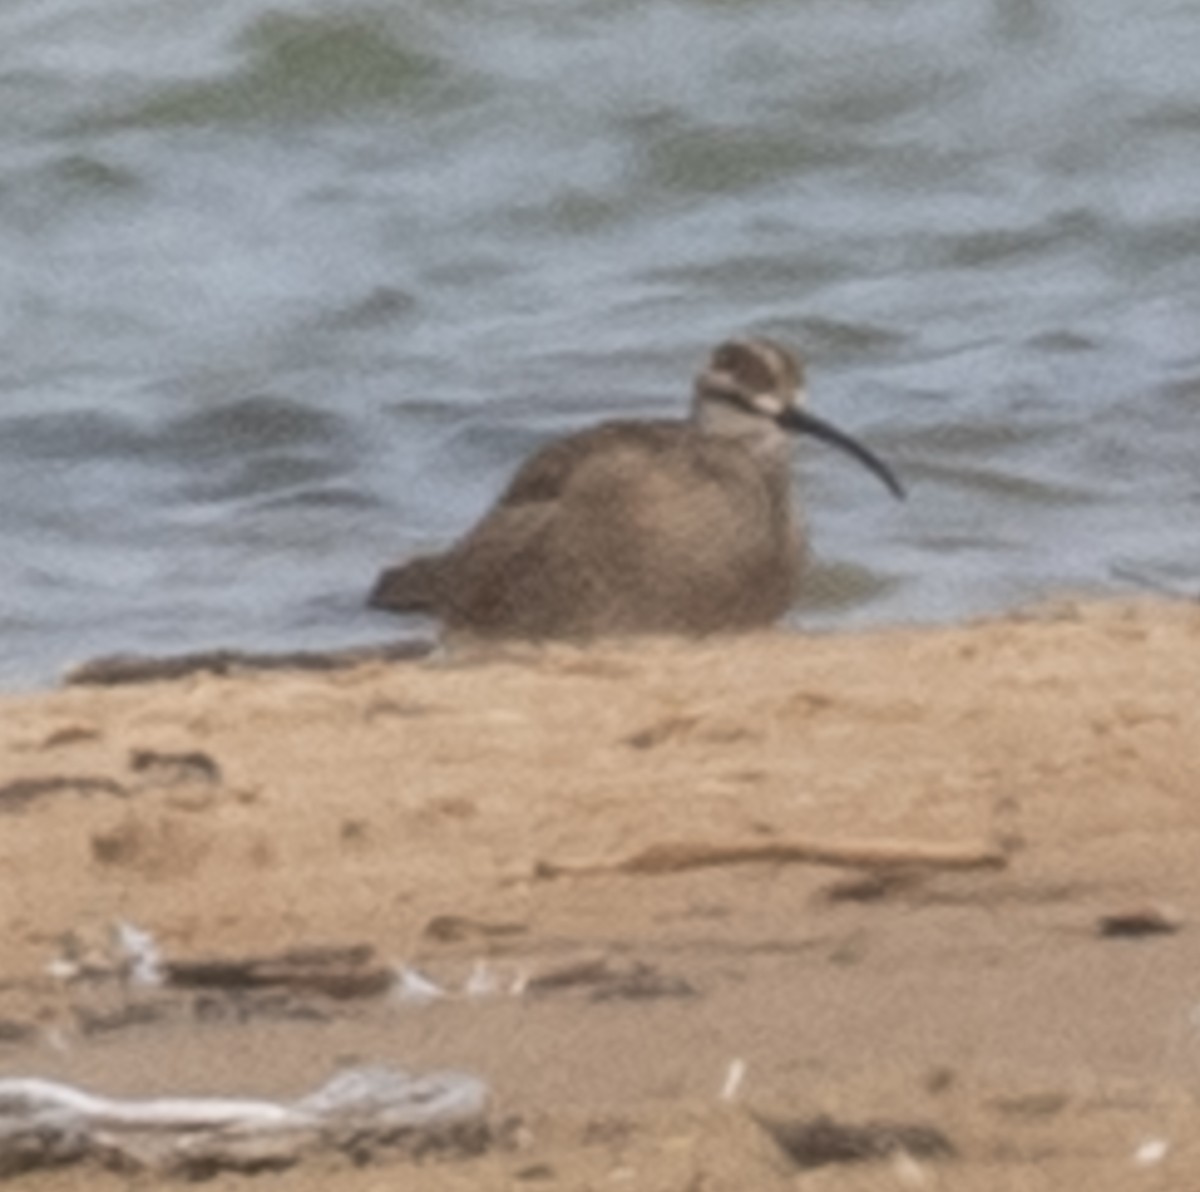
(632, 527)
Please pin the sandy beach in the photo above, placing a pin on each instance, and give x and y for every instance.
(1037, 1016)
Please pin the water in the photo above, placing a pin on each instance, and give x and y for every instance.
(289, 289)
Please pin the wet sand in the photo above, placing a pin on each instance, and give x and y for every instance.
(1031, 1015)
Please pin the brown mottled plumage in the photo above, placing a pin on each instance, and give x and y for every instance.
(682, 527)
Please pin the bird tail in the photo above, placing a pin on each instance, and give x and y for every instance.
(411, 587)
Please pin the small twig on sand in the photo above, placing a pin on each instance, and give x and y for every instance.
(884, 854)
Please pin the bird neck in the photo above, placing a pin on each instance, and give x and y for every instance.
(720, 418)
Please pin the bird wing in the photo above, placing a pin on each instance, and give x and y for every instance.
(547, 474)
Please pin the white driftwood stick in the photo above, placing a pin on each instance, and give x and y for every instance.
(32, 1098)
(44, 1123)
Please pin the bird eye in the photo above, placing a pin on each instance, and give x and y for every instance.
(726, 357)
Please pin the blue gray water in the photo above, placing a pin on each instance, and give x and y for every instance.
(290, 288)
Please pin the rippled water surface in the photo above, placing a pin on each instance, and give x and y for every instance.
(289, 289)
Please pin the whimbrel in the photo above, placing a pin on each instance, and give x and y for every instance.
(680, 527)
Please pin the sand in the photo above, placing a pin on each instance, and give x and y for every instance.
(412, 808)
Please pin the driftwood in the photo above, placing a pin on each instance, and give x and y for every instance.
(341, 972)
(884, 854)
(819, 1141)
(115, 669)
(359, 1112)
(1137, 921)
(18, 794)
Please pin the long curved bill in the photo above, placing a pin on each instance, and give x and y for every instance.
(801, 421)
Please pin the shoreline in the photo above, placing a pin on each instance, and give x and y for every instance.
(410, 812)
